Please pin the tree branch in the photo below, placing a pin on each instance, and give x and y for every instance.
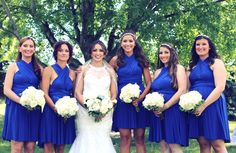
(12, 22)
(48, 33)
(75, 21)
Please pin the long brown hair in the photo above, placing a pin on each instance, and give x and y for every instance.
(138, 52)
(36, 66)
(172, 63)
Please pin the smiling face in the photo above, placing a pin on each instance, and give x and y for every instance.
(98, 53)
(63, 53)
(164, 55)
(202, 48)
(27, 48)
(128, 44)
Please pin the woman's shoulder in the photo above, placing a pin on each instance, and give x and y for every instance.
(48, 70)
(113, 62)
(180, 67)
(218, 61)
(12, 67)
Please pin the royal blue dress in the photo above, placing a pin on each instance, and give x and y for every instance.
(171, 126)
(21, 124)
(213, 122)
(54, 129)
(125, 115)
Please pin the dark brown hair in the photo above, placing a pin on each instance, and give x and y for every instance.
(138, 52)
(195, 57)
(172, 63)
(57, 47)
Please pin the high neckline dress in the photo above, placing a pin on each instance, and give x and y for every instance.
(125, 115)
(213, 122)
(20, 124)
(172, 125)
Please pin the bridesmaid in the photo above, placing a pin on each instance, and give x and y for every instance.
(207, 75)
(168, 125)
(131, 65)
(21, 126)
(57, 82)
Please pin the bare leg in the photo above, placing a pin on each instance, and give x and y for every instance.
(29, 147)
(164, 147)
(48, 148)
(16, 146)
(175, 148)
(139, 140)
(205, 146)
(219, 146)
(125, 140)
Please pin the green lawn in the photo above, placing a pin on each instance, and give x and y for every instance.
(151, 147)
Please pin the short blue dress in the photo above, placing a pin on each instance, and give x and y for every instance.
(213, 122)
(172, 125)
(125, 115)
(21, 124)
(54, 129)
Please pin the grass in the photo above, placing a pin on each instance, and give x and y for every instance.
(151, 147)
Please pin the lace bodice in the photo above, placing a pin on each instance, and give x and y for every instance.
(96, 81)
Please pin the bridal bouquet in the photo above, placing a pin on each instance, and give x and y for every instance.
(98, 106)
(129, 93)
(190, 101)
(31, 98)
(66, 107)
(153, 101)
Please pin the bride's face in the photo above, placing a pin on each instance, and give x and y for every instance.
(98, 53)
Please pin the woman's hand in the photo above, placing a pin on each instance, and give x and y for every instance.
(200, 109)
(135, 102)
(157, 112)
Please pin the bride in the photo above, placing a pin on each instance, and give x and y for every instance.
(96, 77)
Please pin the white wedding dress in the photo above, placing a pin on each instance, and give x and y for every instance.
(94, 137)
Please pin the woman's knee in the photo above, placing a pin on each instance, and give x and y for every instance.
(16, 147)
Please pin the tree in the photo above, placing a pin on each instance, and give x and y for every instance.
(84, 21)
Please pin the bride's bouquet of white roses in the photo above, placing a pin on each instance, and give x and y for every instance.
(31, 98)
(190, 101)
(129, 93)
(66, 107)
(153, 101)
(98, 106)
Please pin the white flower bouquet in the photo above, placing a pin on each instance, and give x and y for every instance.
(190, 101)
(98, 106)
(129, 93)
(31, 98)
(153, 101)
(66, 107)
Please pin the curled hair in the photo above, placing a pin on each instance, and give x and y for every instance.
(195, 57)
(172, 63)
(99, 42)
(35, 63)
(57, 47)
(138, 52)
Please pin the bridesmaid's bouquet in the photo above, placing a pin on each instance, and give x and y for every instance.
(31, 98)
(153, 101)
(98, 106)
(190, 101)
(66, 107)
(129, 93)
